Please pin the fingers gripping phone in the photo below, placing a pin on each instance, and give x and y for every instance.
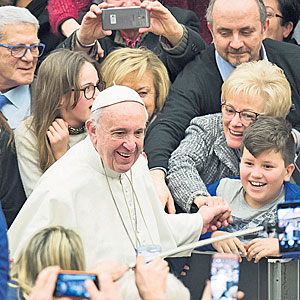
(224, 276)
(114, 18)
(288, 227)
(71, 284)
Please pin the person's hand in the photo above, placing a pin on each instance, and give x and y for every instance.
(100, 51)
(112, 267)
(162, 22)
(232, 245)
(151, 278)
(165, 197)
(45, 285)
(210, 216)
(58, 135)
(262, 247)
(91, 25)
(109, 289)
(222, 219)
(207, 292)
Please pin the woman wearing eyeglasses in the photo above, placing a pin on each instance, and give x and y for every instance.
(210, 149)
(64, 91)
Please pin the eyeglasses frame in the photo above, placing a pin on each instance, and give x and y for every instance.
(102, 87)
(27, 48)
(239, 112)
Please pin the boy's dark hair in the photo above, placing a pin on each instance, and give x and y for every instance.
(270, 133)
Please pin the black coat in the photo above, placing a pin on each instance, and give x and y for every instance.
(12, 195)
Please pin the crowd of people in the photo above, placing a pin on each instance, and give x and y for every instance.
(123, 138)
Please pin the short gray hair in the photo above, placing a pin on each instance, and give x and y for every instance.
(260, 4)
(12, 15)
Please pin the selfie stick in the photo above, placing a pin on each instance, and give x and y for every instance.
(207, 242)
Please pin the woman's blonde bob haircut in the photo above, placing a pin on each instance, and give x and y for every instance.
(260, 79)
(50, 246)
(121, 62)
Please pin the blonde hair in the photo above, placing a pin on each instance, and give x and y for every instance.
(121, 62)
(261, 79)
(54, 245)
(57, 75)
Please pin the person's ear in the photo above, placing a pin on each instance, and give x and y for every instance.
(287, 29)
(91, 128)
(265, 29)
(210, 29)
(289, 171)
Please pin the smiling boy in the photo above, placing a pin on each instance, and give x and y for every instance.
(267, 155)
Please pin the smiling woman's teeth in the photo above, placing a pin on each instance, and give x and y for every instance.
(236, 133)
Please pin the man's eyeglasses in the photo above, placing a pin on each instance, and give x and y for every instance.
(18, 51)
(89, 91)
(246, 116)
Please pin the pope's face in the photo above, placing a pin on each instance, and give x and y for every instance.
(119, 139)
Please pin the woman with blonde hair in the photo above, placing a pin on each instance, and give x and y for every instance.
(141, 70)
(50, 246)
(210, 149)
(64, 91)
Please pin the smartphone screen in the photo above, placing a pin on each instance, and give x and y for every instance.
(288, 226)
(72, 284)
(224, 276)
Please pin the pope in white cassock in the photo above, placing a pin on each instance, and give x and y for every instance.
(102, 188)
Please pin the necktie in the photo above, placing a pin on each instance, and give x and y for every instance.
(3, 101)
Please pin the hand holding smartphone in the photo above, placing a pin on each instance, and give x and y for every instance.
(71, 284)
(224, 276)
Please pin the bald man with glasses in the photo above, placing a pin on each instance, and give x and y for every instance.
(19, 52)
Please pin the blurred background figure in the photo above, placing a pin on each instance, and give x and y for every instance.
(284, 16)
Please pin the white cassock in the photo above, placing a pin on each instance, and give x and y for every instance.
(111, 217)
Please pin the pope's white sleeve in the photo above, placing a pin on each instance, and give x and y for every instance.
(186, 229)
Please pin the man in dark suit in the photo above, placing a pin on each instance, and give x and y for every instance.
(238, 28)
(173, 34)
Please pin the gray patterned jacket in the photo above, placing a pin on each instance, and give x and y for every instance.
(202, 157)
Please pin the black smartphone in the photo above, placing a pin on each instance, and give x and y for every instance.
(288, 226)
(129, 17)
(224, 276)
(71, 284)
